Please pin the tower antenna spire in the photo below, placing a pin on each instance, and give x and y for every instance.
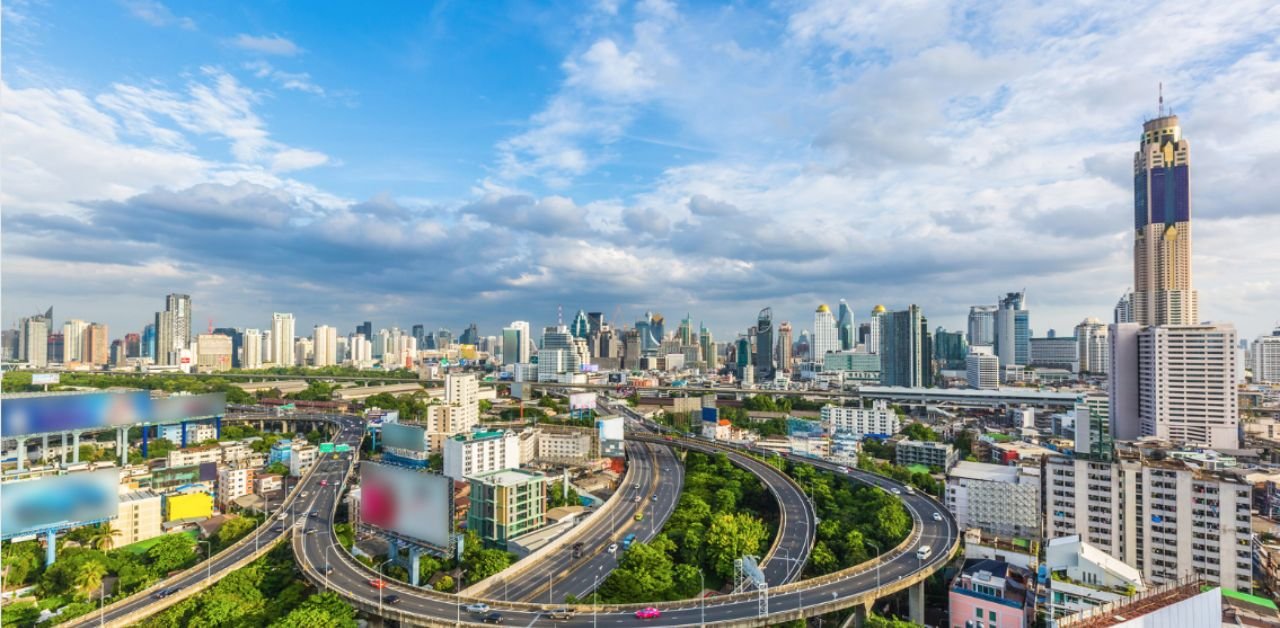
(1161, 88)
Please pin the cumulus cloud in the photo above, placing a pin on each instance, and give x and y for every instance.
(266, 44)
(156, 13)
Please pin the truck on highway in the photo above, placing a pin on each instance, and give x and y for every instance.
(628, 540)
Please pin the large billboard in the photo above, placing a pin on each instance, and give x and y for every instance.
(407, 437)
(58, 501)
(582, 401)
(611, 436)
(63, 413)
(409, 503)
(44, 378)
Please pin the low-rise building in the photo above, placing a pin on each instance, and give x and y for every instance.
(992, 594)
(878, 420)
(997, 499)
(569, 446)
(267, 483)
(192, 505)
(1083, 576)
(302, 459)
(233, 483)
(467, 455)
(192, 456)
(928, 453)
(138, 517)
(506, 503)
(281, 451)
(196, 433)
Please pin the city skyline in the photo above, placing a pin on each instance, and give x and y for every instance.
(258, 181)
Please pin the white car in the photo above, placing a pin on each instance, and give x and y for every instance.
(613, 547)
(896, 491)
(478, 608)
(937, 516)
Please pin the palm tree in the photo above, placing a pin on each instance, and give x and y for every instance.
(100, 537)
(89, 578)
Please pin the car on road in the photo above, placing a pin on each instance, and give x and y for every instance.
(324, 482)
(895, 491)
(639, 516)
(924, 552)
(937, 516)
(278, 529)
(655, 498)
(311, 531)
(313, 514)
(493, 618)
(284, 515)
(613, 547)
(479, 608)
(637, 487)
(636, 499)
(648, 613)
(378, 583)
(561, 613)
(163, 593)
(391, 599)
(328, 569)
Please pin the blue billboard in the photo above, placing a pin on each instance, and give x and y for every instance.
(710, 414)
(23, 416)
(58, 501)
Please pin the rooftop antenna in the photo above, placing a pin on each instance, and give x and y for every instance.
(559, 315)
(1161, 99)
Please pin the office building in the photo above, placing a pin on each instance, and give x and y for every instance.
(365, 328)
(764, 345)
(132, 345)
(982, 325)
(213, 353)
(302, 351)
(708, 346)
(1162, 292)
(360, 351)
(857, 365)
(473, 454)
(846, 329)
(997, 499)
(1059, 352)
(55, 352)
(1123, 312)
(139, 515)
(173, 329)
(992, 593)
(982, 368)
(324, 345)
(237, 343)
(825, 338)
(282, 339)
(97, 345)
(1157, 513)
(515, 348)
(1092, 346)
(930, 454)
(874, 332)
(251, 357)
(506, 504)
(148, 348)
(906, 349)
(458, 414)
(1175, 382)
(950, 349)
(1013, 330)
(1265, 353)
(879, 420)
(33, 340)
(73, 340)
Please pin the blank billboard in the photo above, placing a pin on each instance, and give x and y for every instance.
(60, 413)
(58, 501)
(410, 503)
(407, 437)
(182, 407)
(582, 401)
(611, 429)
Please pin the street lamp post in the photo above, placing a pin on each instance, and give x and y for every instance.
(326, 565)
(595, 602)
(878, 561)
(702, 596)
(102, 605)
(208, 560)
(382, 582)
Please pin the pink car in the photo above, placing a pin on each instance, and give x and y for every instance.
(648, 613)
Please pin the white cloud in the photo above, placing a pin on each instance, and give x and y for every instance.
(297, 159)
(266, 44)
(156, 13)
(607, 71)
(297, 81)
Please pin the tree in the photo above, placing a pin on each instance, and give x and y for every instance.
(278, 468)
(346, 535)
(876, 621)
(822, 558)
(173, 551)
(445, 583)
(22, 561)
(485, 563)
(233, 530)
(920, 431)
(88, 578)
(322, 609)
(100, 537)
(730, 537)
(892, 523)
(855, 551)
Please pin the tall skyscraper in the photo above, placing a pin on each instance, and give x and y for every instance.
(982, 325)
(1124, 309)
(1013, 330)
(1093, 346)
(708, 344)
(324, 343)
(684, 333)
(471, 336)
(173, 328)
(251, 350)
(764, 345)
(784, 346)
(580, 328)
(1163, 293)
(595, 322)
(825, 338)
(906, 349)
(365, 328)
(132, 345)
(873, 337)
(845, 326)
(1265, 352)
(950, 349)
(420, 334)
(149, 341)
(97, 346)
(742, 359)
(56, 346)
(282, 339)
(514, 348)
(73, 340)
(33, 340)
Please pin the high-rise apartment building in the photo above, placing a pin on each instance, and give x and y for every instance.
(1265, 352)
(906, 349)
(132, 345)
(33, 340)
(950, 349)
(1092, 346)
(251, 351)
(324, 341)
(825, 337)
(173, 328)
(982, 368)
(513, 346)
(982, 325)
(784, 346)
(1013, 330)
(846, 327)
(873, 335)
(1124, 309)
(1163, 292)
(998, 499)
(73, 340)
(97, 345)
(764, 345)
(708, 344)
(282, 339)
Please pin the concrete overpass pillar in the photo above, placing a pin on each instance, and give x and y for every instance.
(63, 441)
(859, 617)
(122, 445)
(22, 453)
(44, 448)
(915, 603)
(414, 553)
(75, 446)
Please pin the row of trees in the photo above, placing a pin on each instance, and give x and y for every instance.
(854, 520)
(714, 523)
(20, 381)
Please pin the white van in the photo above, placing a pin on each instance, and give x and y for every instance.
(924, 552)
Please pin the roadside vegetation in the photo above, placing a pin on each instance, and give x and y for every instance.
(856, 522)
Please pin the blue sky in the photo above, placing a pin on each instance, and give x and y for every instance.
(450, 162)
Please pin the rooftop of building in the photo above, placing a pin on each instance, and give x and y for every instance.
(480, 435)
(928, 444)
(989, 472)
(1010, 579)
(139, 495)
(1084, 551)
(507, 477)
(1130, 609)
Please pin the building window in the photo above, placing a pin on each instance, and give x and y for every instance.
(978, 611)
